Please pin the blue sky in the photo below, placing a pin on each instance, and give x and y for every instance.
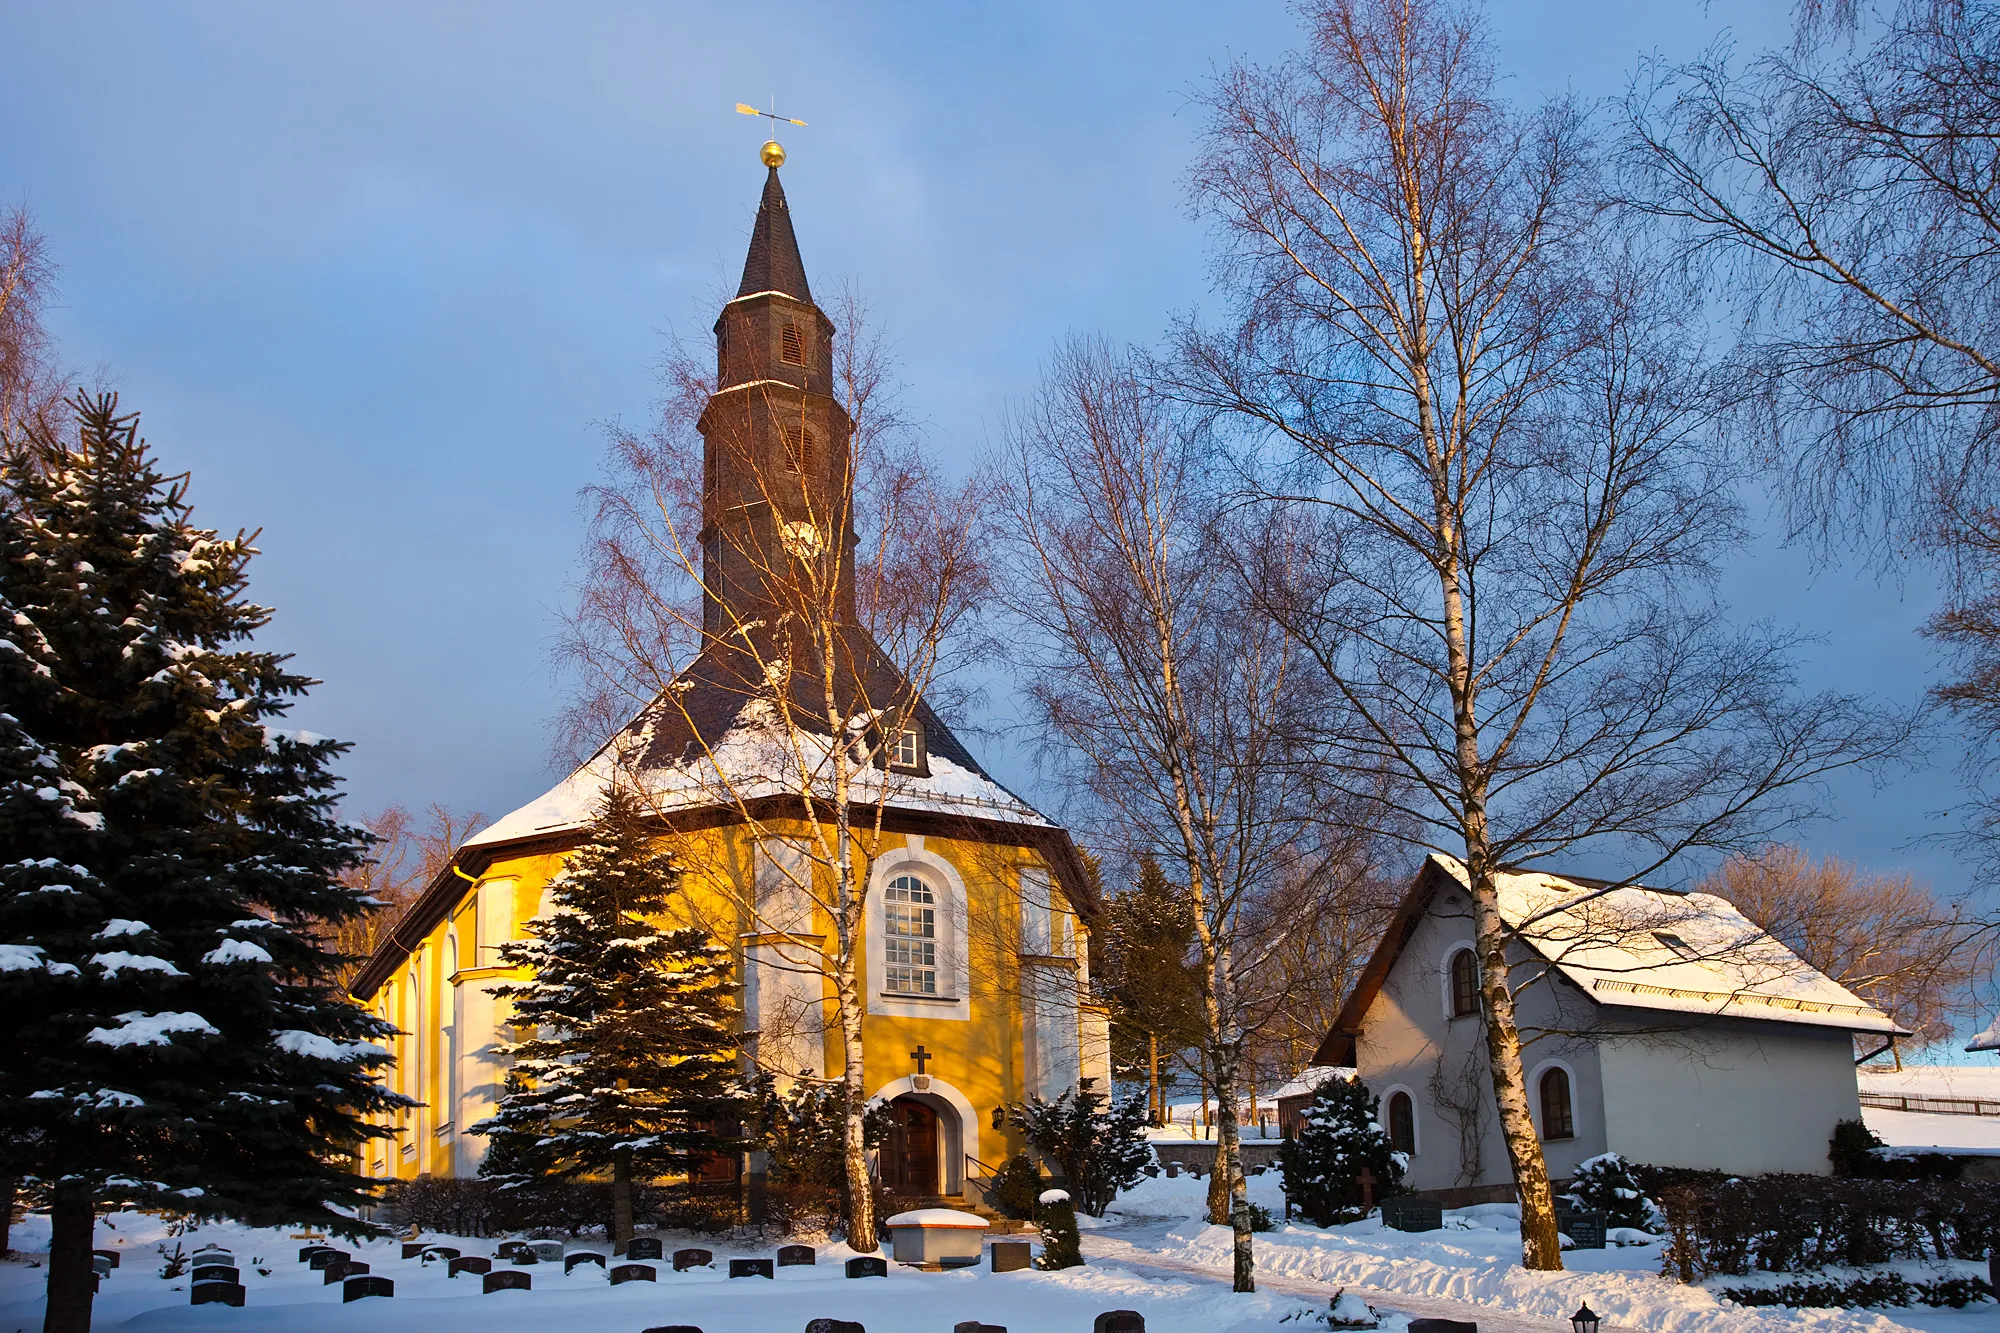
(378, 273)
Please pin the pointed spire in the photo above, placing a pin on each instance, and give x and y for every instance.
(773, 264)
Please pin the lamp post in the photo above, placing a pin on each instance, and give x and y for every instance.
(1584, 1320)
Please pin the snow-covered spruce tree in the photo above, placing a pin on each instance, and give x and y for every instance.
(1606, 1184)
(1098, 1143)
(175, 1038)
(634, 1063)
(1062, 1246)
(1341, 1138)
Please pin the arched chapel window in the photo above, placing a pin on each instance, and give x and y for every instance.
(1402, 1122)
(909, 927)
(1558, 1120)
(1464, 984)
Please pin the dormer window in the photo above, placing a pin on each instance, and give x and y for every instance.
(908, 751)
(792, 345)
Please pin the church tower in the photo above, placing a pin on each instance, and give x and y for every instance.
(777, 467)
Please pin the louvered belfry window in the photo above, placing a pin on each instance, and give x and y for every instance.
(798, 448)
(792, 345)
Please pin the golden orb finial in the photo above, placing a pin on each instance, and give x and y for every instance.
(773, 153)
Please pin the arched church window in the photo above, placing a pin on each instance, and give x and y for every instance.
(1402, 1122)
(1558, 1120)
(792, 345)
(909, 925)
(1464, 984)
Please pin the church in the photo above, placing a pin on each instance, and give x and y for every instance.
(967, 910)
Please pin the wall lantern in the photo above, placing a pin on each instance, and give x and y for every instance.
(999, 1116)
(1584, 1320)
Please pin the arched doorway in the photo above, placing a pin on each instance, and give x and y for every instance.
(910, 1157)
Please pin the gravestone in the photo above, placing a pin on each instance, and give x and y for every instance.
(102, 1267)
(974, 1326)
(686, 1259)
(323, 1257)
(216, 1293)
(834, 1326)
(110, 1255)
(342, 1271)
(507, 1279)
(507, 1249)
(868, 1265)
(355, 1288)
(674, 1328)
(634, 1273)
(1435, 1325)
(217, 1273)
(570, 1261)
(1408, 1213)
(548, 1251)
(644, 1247)
(793, 1256)
(1011, 1256)
(750, 1268)
(470, 1263)
(207, 1254)
(435, 1252)
(1119, 1321)
(1585, 1230)
(306, 1254)
(413, 1248)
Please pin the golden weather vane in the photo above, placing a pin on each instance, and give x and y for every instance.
(772, 152)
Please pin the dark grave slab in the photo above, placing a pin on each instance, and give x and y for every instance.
(834, 1326)
(751, 1268)
(342, 1271)
(1585, 1230)
(507, 1279)
(470, 1263)
(435, 1252)
(674, 1328)
(322, 1258)
(216, 1273)
(357, 1288)
(1011, 1256)
(102, 1266)
(1408, 1213)
(686, 1259)
(111, 1256)
(634, 1273)
(216, 1293)
(868, 1265)
(413, 1248)
(792, 1256)
(507, 1249)
(306, 1254)
(581, 1257)
(1119, 1321)
(974, 1326)
(1432, 1324)
(644, 1247)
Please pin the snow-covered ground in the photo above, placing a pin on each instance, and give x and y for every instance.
(291, 1299)
(1152, 1253)
(1475, 1259)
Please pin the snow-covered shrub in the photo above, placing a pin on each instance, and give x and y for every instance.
(1605, 1184)
(1098, 1144)
(1062, 1247)
(1340, 1139)
(1016, 1186)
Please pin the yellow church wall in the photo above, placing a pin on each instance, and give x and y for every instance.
(977, 1062)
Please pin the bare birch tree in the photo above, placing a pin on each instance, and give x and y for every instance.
(32, 383)
(1496, 444)
(1171, 707)
(777, 645)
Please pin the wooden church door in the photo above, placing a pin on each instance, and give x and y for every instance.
(913, 1148)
